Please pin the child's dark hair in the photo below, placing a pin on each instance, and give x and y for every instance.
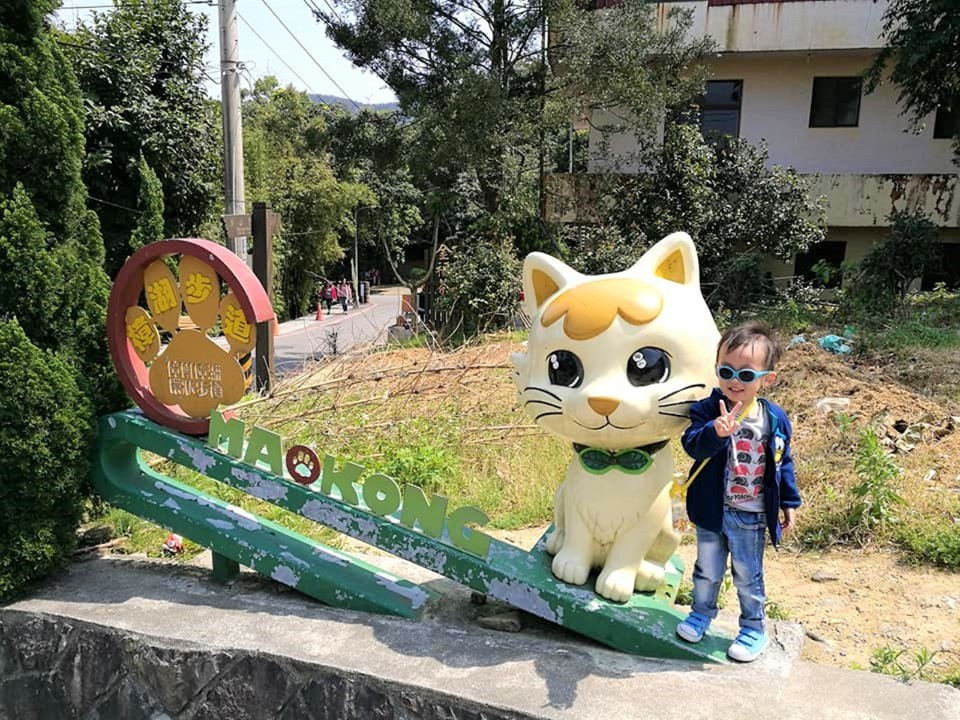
(748, 334)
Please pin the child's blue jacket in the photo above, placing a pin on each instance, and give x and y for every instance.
(705, 495)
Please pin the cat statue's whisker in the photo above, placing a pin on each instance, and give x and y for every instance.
(545, 415)
(686, 387)
(539, 389)
(680, 402)
(542, 402)
(686, 417)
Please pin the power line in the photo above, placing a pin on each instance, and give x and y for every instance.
(107, 202)
(290, 32)
(114, 7)
(313, 6)
(305, 83)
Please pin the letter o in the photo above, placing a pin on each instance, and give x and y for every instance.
(378, 485)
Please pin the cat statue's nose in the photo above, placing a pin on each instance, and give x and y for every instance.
(603, 406)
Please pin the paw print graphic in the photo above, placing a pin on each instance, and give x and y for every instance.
(179, 384)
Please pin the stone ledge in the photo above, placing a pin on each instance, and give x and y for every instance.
(130, 639)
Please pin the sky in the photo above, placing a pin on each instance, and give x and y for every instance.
(260, 60)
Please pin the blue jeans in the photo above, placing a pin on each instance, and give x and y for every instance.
(743, 537)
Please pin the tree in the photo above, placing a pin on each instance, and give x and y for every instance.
(54, 371)
(141, 67)
(286, 162)
(149, 227)
(474, 77)
(736, 209)
(922, 37)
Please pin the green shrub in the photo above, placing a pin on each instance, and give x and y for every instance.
(45, 427)
(938, 545)
(480, 288)
(883, 278)
(422, 464)
(874, 496)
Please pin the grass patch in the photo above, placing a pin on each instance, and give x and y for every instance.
(932, 542)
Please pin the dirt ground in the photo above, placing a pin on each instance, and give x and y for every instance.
(850, 601)
(859, 602)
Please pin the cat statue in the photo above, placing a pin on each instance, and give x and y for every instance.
(613, 364)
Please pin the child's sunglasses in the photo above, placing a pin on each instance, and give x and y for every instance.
(744, 375)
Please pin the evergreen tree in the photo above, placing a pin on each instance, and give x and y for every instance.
(140, 67)
(54, 371)
(150, 204)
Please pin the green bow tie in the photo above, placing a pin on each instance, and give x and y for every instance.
(634, 461)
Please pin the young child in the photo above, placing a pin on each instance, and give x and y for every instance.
(747, 481)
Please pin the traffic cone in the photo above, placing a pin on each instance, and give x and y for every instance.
(319, 313)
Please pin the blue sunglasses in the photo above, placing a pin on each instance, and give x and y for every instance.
(744, 375)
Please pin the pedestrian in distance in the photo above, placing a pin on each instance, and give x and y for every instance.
(344, 293)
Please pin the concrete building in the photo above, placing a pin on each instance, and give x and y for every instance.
(789, 73)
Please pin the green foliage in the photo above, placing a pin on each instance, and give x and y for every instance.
(491, 115)
(875, 495)
(41, 119)
(421, 463)
(285, 143)
(934, 543)
(888, 660)
(480, 287)
(141, 68)
(623, 59)
(774, 611)
(921, 40)
(735, 207)
(45, 427)
(149, 226)
(883, 278)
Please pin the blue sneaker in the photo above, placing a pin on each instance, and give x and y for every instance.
(748, 645)
(693, 628)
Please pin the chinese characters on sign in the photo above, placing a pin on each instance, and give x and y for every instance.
(195, 379)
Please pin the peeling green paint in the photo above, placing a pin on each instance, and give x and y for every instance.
(644, 625)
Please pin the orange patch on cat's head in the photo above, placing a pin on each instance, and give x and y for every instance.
(590, 308)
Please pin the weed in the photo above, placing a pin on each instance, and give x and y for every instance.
(684, 594)
(775, 612)
(936, 543)
(874, 495)
(888, 660)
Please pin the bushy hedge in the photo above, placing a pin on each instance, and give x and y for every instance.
(45, 429)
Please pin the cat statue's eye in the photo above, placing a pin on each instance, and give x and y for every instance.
(564, 368)
(647, 366)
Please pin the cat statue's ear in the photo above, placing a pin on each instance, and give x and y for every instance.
(543, 276)
(674, 258)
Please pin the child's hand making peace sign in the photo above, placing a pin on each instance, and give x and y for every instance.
(727, 424)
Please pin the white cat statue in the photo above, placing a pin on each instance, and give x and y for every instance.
(613, 364)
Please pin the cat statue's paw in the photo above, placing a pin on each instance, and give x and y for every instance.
(555, 541)
(616, 585)
(570, 568)
(649, 577)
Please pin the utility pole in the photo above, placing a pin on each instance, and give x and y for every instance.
(232, 127)
(264, 224)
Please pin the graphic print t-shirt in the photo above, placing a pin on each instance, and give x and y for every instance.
(746, 465)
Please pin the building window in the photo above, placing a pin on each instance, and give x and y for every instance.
(720, 108)
(832, 252)
(947, 123)
(947, 270)
(836, 102)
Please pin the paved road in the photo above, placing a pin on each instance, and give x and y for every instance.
(302, 341)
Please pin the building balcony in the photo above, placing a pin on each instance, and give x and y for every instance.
(854, 200)
(742, 26)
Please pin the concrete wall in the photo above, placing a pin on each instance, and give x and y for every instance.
(766, 26)
(775, 109)
(777, 92)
